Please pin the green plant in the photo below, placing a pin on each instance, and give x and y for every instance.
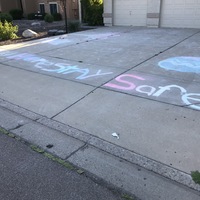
(5, 17)
(74, 26)
(127, 197)
(8, 31)
(92, 11)
(31, 16)
(48, 18)
(196, 176)
(57, 17)
(16, 13)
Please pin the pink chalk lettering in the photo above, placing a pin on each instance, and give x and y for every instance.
(129, 85)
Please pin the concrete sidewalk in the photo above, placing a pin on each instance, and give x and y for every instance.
(130, 92)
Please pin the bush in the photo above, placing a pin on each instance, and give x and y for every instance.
(92, 12)
(95, 17)
(48, 18)
(5, 17)
(8, 31)
(31, 16)
(74, 26)
(16, 13)
(57, 17)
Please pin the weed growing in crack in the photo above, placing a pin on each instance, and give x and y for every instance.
(196, 176)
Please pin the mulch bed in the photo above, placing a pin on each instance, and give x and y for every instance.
(41, 28)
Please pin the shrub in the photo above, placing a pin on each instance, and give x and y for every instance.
(31, 16)
(92, 11)
(8, 31)
(57, 17)
(96, 18)
(74, 26)
(5, 17)
(48, 18)
(16, 13)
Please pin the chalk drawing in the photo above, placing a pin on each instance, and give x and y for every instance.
(48, 66)
(129, 85)
(181, 64)
(66, 39)
(129, 82)
(57, 40)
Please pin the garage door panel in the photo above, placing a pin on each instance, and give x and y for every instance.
(130, 12)
(180, 13)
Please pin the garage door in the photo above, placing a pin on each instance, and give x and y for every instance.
(130, 12)
(180, 13)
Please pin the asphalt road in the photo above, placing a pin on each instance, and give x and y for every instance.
(26, 174)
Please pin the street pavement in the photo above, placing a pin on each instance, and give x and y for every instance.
(26, 174)
(114, 101)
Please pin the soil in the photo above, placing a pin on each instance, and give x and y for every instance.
(40, 27)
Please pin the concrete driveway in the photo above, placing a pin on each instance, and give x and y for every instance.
(136, 88)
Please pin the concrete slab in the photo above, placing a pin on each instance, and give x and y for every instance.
(159, 88)
(41, 94)
(48, 44)
(10, 120)
(143, 184)
(165, 133)
(123, 50)
(110, 57)
(79, 71)
(50, 140)
(180, 62)
(21, 111)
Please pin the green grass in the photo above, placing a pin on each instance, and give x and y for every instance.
(52, 157)
(3, 131)
(127, 197)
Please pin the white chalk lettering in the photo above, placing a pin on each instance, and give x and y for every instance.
(187, 97)
(168, 88)
(149, 93)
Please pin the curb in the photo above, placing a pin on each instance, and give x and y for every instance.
(81, 141)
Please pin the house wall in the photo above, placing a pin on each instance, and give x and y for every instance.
(72, 7)
(7, 5)
(29, 6)
(108, 12)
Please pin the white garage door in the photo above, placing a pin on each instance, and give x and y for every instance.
(180, 13)
(130, 12)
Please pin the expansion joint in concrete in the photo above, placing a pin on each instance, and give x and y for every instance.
(77, 150)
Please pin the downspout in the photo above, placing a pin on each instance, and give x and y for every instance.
(112, 12)
(80, 11)
(159, 23)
